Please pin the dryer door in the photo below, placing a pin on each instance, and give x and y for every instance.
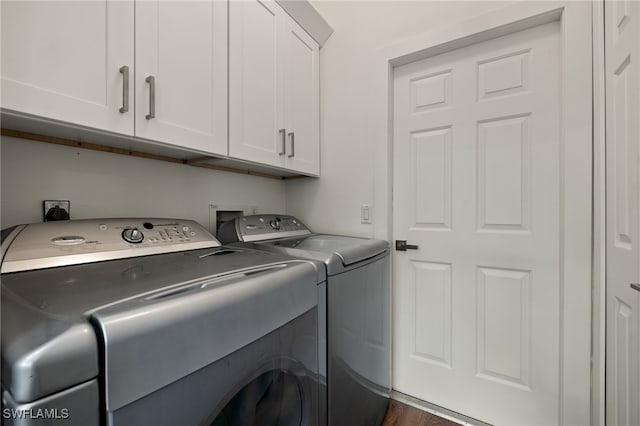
(271, 381)
(277, 397)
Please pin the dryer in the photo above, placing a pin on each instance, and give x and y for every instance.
(151, 322)
(357, 353)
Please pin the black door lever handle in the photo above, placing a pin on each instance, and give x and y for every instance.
(635, 287)
(401, 245)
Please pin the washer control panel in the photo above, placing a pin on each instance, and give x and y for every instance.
(132, 235)
(263, 227)
(70, 242)
(169, 232)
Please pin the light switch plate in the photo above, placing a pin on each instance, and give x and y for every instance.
(366, 214)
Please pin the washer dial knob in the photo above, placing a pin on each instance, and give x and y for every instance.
(132, 235)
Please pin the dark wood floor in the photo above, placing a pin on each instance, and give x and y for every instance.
(399, 414)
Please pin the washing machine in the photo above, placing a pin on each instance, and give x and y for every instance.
(151, 322)
(357, 354)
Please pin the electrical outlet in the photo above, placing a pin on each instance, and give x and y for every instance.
(49, 204)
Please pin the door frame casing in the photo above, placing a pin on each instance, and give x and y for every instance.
(599, 302)
(576, 190)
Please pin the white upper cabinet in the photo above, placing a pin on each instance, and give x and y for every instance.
(63, 60)
(181, 75)
(237, 79)
(273, 88)
(74, 62)
(256, 107)
(301, 100)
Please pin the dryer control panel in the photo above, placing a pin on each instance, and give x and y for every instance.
(71, 242)
(261, 227)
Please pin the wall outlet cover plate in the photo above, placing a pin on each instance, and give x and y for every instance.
(49, 204)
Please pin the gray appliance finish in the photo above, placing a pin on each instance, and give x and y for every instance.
(358, 309)
(103, 325)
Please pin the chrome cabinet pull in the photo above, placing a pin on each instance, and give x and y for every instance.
(283, 139)
(152, 97)
(293, 146)
(636, 287)
(124, 70)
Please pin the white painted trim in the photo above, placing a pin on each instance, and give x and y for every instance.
(308, 18)
(541, 18)
(577, 199)
(435, 410)
(576, 246)
(598, 400)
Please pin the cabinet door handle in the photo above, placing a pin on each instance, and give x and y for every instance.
(124, 70)
(284, 142)
(293, 145)
(152, 97)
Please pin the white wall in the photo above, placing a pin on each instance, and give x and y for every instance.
(101, 184)
(361, 28)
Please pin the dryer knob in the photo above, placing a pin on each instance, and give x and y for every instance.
(132, 236)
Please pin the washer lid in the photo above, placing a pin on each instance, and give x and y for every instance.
(337, 252)
(41, 353)
(145, 338)
(47, 340)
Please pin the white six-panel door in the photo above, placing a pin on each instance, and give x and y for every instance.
(62, 60)
(622, 47)
(477, 186)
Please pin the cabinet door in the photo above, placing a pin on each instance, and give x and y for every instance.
(181, 76)
(256, 122)
(300, 59)
(62, 60)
